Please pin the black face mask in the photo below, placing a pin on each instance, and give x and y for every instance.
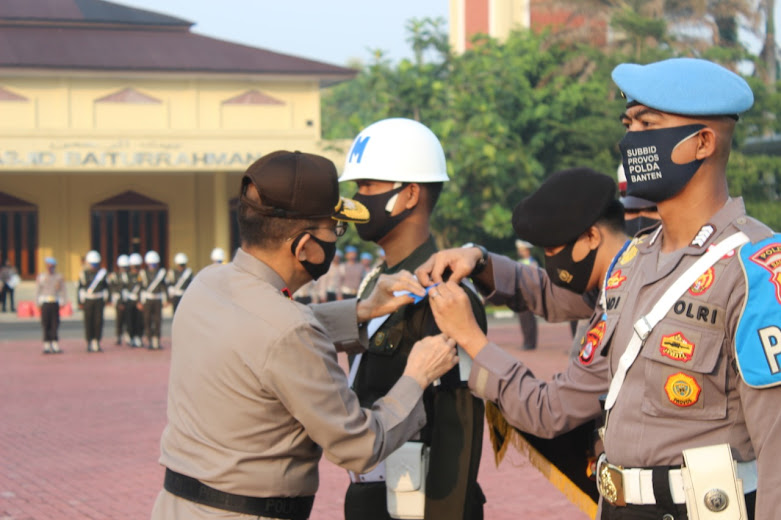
(316, 270)
(633, 226)
(651, 173)
(380, 220)
(565, 272)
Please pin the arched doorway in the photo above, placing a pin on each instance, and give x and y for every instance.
(129, 223)
(19, 234)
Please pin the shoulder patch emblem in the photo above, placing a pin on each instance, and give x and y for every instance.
(769, 257)
(591, 342)
(677, 347)
(628, 255)
(615, 280)
(758, 335)
(682, 390)
(703, 283)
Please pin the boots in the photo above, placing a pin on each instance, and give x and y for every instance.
(154, 343)
(47, 347)
(94, 346)
(56, 348)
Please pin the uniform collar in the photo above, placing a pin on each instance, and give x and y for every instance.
(413, 261)
(728, 217)
(257, 268)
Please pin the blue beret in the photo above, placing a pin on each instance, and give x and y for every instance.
(350, 249)
(686, 86)
(564, 207)
(50, 261)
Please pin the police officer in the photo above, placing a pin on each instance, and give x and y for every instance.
(399, 168)
(256, 393)
(217, 255)
(153, 293)
(178, 279)
(119, 282)
(93, 293)
(692, 317)
(135, 314)
(50, 294)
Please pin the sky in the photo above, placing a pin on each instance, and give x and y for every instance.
(333, 31)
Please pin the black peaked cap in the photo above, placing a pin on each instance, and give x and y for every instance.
(563, 207)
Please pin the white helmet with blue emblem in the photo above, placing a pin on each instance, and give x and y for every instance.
(396, 150)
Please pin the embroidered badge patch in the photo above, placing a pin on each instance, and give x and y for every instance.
(769, 257)
(682, 390)
(615, 280)
(565, 276)
(628, 255)
(677, 347)
(591, 342)
(703, 283)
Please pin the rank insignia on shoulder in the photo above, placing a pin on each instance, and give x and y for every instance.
(628, 255)
(758, 335)
(682, 390)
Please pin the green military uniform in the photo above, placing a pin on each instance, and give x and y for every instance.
(454, 427)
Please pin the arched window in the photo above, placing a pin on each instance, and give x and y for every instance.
(19, 234)
(129, 223)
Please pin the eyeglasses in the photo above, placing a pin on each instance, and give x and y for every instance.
(339, 230)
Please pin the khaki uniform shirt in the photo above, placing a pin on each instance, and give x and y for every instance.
(684, 389)
(256, 394)
(50, 287)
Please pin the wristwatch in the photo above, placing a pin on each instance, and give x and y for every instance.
(480, 266)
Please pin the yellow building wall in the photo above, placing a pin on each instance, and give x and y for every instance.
(71, 142)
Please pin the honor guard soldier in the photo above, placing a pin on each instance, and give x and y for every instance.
(93, 293)
(256, 394)
(119, 283)
(399, 167)
(217, 256)
(153, 292)
(135, 309)
(693, 315)
(178, 279)
(50, 294)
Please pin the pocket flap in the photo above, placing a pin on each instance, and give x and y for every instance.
(405, 469)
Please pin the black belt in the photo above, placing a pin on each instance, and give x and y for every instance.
(292, 508)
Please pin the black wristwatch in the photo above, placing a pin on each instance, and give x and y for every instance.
(480, 266)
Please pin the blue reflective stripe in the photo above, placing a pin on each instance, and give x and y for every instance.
(758, 335)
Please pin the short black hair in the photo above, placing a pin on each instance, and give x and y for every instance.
(433, 190)
(613, 217)
(256, 229)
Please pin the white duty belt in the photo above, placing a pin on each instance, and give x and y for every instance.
(644, 326)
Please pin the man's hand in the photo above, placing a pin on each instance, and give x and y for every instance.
(382, 301)
(460, 261)
(455, 318)
(430, 358)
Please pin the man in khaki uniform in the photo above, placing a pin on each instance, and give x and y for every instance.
(693, 351)
(50, 294)
(256, 394)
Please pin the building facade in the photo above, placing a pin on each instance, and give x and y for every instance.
(122, 131)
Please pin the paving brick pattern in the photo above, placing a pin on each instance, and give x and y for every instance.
(79, 436)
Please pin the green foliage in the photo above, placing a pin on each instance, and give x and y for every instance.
(509, 114)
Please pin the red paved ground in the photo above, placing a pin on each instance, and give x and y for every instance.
(79, 436)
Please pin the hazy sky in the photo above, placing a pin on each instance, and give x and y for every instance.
(333, 31)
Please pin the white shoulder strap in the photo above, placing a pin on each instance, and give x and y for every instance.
(95, 281)
(644, 326)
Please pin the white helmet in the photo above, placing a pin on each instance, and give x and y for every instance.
(396, 150)
(218, 255)
(180, 259)
(123, 261)
(151, 257)
(135, 259)
(93, 257)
